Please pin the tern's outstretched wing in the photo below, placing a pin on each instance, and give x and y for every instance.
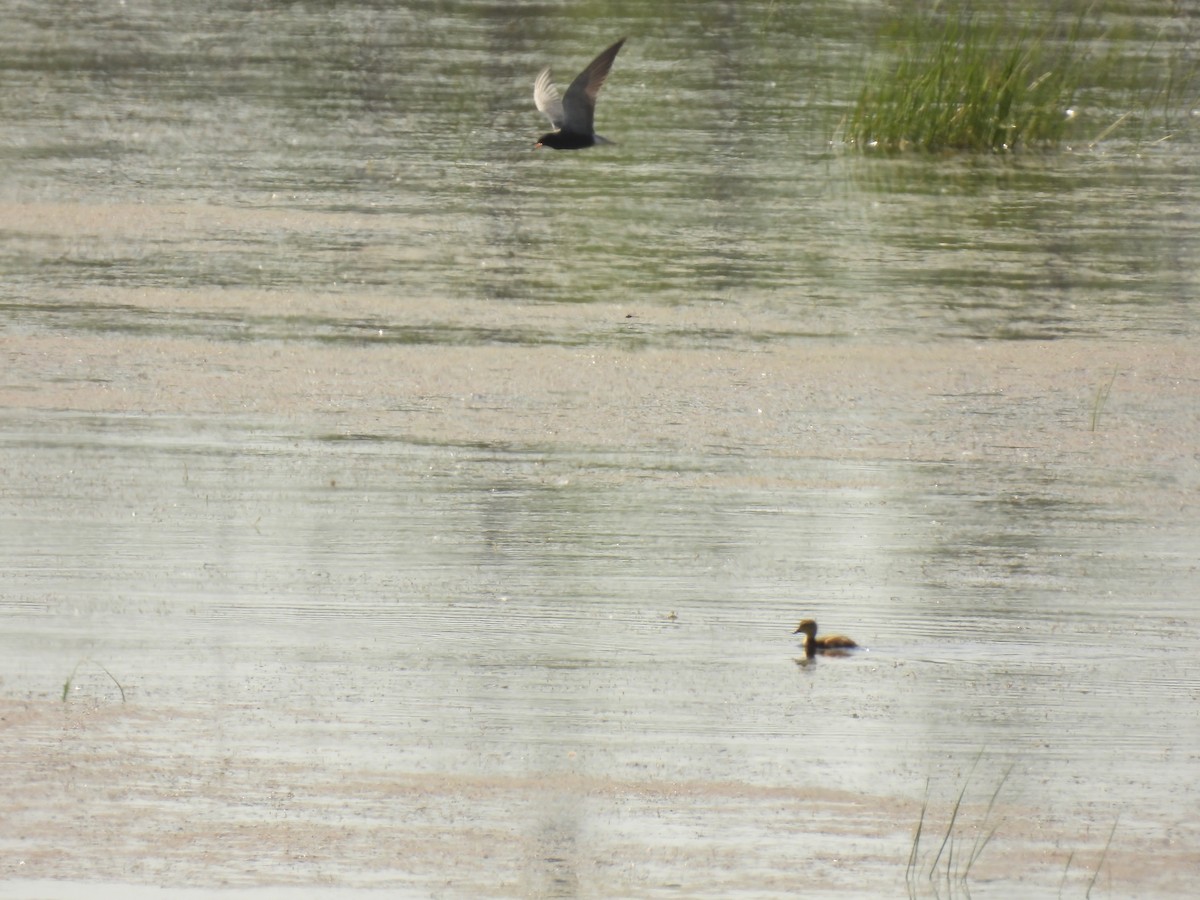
(545, 95)
(579, 104)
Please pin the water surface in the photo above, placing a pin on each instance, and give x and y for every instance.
(402, 509)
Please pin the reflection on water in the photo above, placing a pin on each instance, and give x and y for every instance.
(444, 508)
(332, 151)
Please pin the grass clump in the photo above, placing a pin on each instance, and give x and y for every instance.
(960, 82)
(958, 858)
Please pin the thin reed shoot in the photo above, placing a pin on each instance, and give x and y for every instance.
(1103, 856)
(914, 852)
(982, 841)
(1102, 398)
(66, 691)
(948, 838)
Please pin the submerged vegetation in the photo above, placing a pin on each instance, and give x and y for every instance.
(959, 80)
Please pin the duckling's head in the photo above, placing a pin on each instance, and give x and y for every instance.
(808, 627)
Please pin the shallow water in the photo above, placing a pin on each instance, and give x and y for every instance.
(442, 509)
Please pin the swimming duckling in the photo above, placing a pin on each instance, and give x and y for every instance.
(814, 645)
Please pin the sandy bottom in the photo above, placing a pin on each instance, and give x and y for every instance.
(714, 379)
